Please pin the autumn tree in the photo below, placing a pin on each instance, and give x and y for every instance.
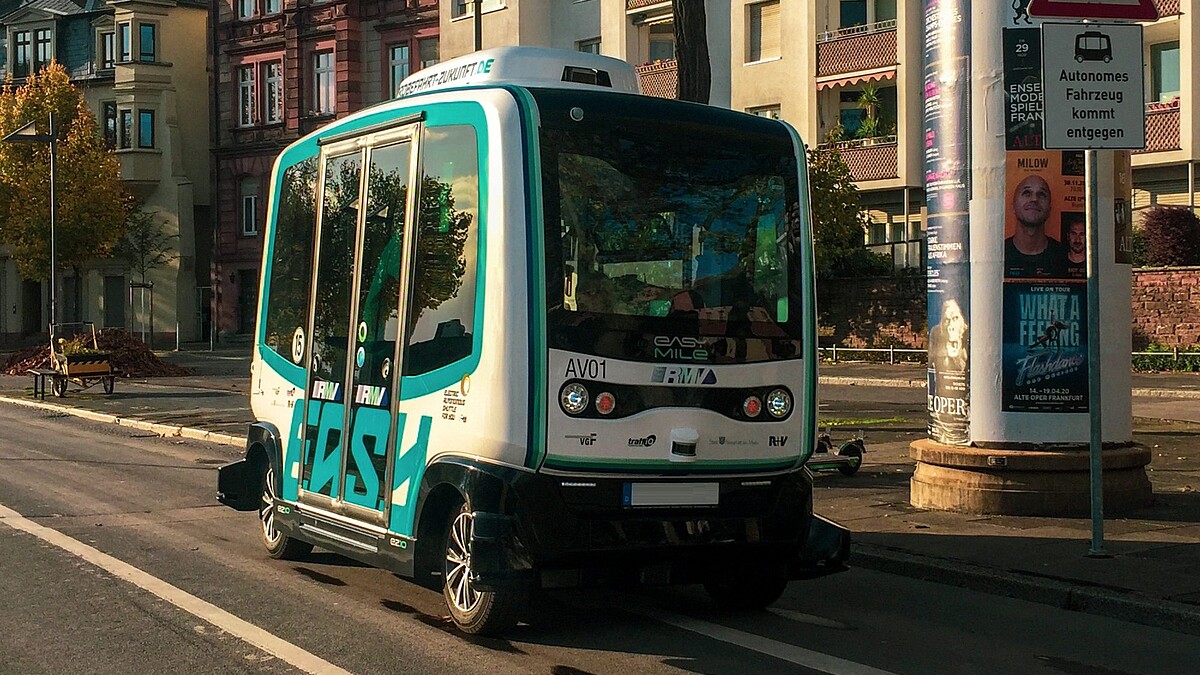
(147, 245)
(92, 203)
(839, 225)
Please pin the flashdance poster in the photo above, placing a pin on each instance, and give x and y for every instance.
(1045, 284)
(948, 192)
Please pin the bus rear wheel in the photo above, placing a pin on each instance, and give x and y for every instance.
(750, 586)
(474, 611)
(278, 545)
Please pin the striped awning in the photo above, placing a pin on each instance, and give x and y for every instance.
(874, 76)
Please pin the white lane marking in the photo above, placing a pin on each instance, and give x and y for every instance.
(780, 650)
(248, 632)
(810, 619)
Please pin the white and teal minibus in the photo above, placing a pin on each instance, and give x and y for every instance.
(522, 327)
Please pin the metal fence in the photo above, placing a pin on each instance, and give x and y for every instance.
(835, 352)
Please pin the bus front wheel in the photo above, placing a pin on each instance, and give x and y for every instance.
(750, 586)
(278, 545)
(474, 611)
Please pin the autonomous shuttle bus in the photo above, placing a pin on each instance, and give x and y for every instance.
(523, 327)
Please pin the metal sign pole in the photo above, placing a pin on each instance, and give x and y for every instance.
(1095, 396)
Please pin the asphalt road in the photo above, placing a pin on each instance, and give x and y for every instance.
(117, 559)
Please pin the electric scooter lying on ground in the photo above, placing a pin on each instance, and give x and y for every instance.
(846, 459)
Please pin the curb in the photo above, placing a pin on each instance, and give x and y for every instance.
(165, 430)
(1072, 595)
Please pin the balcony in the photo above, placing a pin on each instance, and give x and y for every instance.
(1167, 7)
(141, 169)
(870, 158)
(660, 78)
(848, 50)
(1162, 127)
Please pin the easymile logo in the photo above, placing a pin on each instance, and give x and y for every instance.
(643, 442)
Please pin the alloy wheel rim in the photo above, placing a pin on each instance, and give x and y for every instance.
(266, 512)
(457, 566)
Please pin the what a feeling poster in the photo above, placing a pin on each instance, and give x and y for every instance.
(1045, 347)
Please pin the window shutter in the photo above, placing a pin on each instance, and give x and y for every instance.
(769, 38)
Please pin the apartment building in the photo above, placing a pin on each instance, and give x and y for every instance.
(282, 68)
(1165, 172)
(141, 67)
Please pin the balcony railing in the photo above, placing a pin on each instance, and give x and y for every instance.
(851, 53)
(877, 27)
(660, 78)
(870, 158)
(1162, 127)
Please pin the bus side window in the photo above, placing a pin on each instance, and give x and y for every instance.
(441, 321)
(291, 266)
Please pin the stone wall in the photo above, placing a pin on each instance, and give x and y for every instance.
(1166, 307)
(891, 311)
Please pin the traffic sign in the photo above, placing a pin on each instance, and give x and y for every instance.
(1134, 10)
(1092, 86)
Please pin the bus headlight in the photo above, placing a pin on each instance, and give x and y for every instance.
(574, 398)
(778, 403)
(752, 406)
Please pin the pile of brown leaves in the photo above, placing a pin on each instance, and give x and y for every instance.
(127, 355)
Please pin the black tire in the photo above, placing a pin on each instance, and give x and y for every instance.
(850, 450)
(752, 586)
(60, 386)
(278, 545)
(109, 384)
(474, 612)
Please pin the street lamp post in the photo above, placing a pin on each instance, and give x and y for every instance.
(29, 134)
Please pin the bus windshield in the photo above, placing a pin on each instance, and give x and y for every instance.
(669, 238)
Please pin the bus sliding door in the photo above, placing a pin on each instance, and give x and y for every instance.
(353, 380)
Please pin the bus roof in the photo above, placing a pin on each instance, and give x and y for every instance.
(524, 66)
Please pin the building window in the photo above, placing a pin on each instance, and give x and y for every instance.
(398, 66)
(147, 33)
(273, 92)
(21, 53)
(42, 50)
(245, 96)
(271, 7)
(662, 41)
(245, 9)
(145, 128)
(125, 135)
(768, 111)
(588, 46)
(323, 83)
(427, 50)
(248, 190)
(459, 8)
(1164, 72)
(764, 32)
(853, 13)
(124, 42)
(108, 50)
(108, 115)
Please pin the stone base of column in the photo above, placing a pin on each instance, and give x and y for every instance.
(1016, 482)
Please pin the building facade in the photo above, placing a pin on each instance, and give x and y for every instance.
(141, 67)
(282, 68)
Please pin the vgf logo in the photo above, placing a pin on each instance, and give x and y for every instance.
(777, 441)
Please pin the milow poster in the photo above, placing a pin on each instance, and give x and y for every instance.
(947, 194)
(1045, 285)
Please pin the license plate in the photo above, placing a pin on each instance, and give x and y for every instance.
(671, 494)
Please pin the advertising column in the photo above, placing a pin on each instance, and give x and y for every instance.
(947, 145)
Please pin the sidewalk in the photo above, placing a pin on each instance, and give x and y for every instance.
(1153, 576)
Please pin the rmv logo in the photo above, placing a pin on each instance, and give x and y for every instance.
(683, 375)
